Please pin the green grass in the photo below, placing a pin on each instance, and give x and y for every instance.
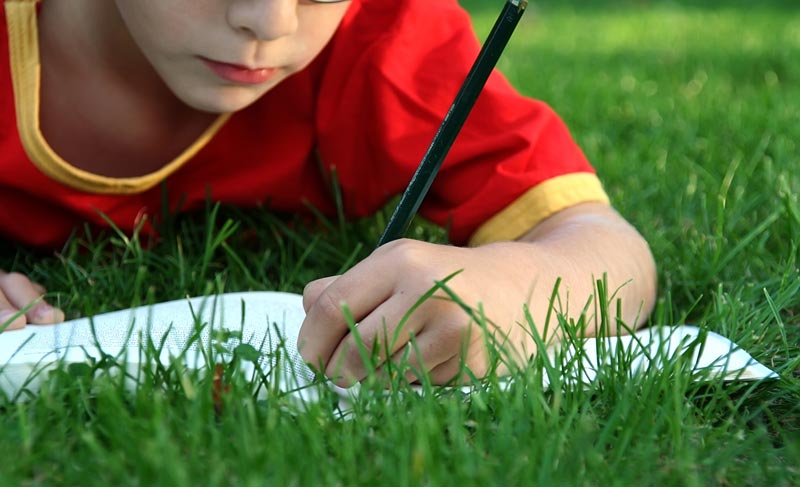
(689, 111)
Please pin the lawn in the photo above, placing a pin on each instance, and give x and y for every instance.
(690, 112)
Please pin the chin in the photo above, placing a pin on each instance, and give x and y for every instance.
(224, 99)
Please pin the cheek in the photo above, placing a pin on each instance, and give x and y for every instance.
(318, 25)
(160, 27)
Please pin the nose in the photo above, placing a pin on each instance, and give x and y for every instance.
(264, 20)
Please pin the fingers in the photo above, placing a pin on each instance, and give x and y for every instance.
(434, 334)
(325, 324)
(44, 314)
(444, 362)
(418, 357)
(314, 288)
(381, 334)
(379, 292)
(39, 288)
(10, 317)
(18, 292)
(437, 339)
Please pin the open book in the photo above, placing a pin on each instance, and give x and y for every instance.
(270, 322)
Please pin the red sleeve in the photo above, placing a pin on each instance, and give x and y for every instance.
(394, 70)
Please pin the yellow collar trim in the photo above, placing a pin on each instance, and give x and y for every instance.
(26, 79)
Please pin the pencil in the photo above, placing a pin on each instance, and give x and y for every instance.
(423, 178)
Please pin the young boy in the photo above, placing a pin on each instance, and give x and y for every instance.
(104, 102)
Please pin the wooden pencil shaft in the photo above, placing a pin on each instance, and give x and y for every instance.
(423, 178)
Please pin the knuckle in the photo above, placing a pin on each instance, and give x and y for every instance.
(310, 287)
(453, 331)
(411, 254)
(14, 279)
(478, 365)
(316, 286)
(400, 245)
(350, 365)
(451, 321)
(310, 294)
(329, 306)
(391, 246)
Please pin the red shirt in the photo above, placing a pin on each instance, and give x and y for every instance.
(368, 106)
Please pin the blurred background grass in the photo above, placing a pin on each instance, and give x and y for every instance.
(689, 110)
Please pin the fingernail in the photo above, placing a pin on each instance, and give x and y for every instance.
(43, 310)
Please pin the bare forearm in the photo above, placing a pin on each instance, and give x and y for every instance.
(579, 246)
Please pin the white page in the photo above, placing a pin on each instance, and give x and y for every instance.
(35, 346)
(709, 354)
(262, 317)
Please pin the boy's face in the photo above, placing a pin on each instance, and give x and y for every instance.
(222, 55)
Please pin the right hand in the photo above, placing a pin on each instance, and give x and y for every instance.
(17, 291)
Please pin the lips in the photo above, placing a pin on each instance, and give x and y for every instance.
(235, 73)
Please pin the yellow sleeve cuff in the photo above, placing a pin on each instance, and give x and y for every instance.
(538, 203)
